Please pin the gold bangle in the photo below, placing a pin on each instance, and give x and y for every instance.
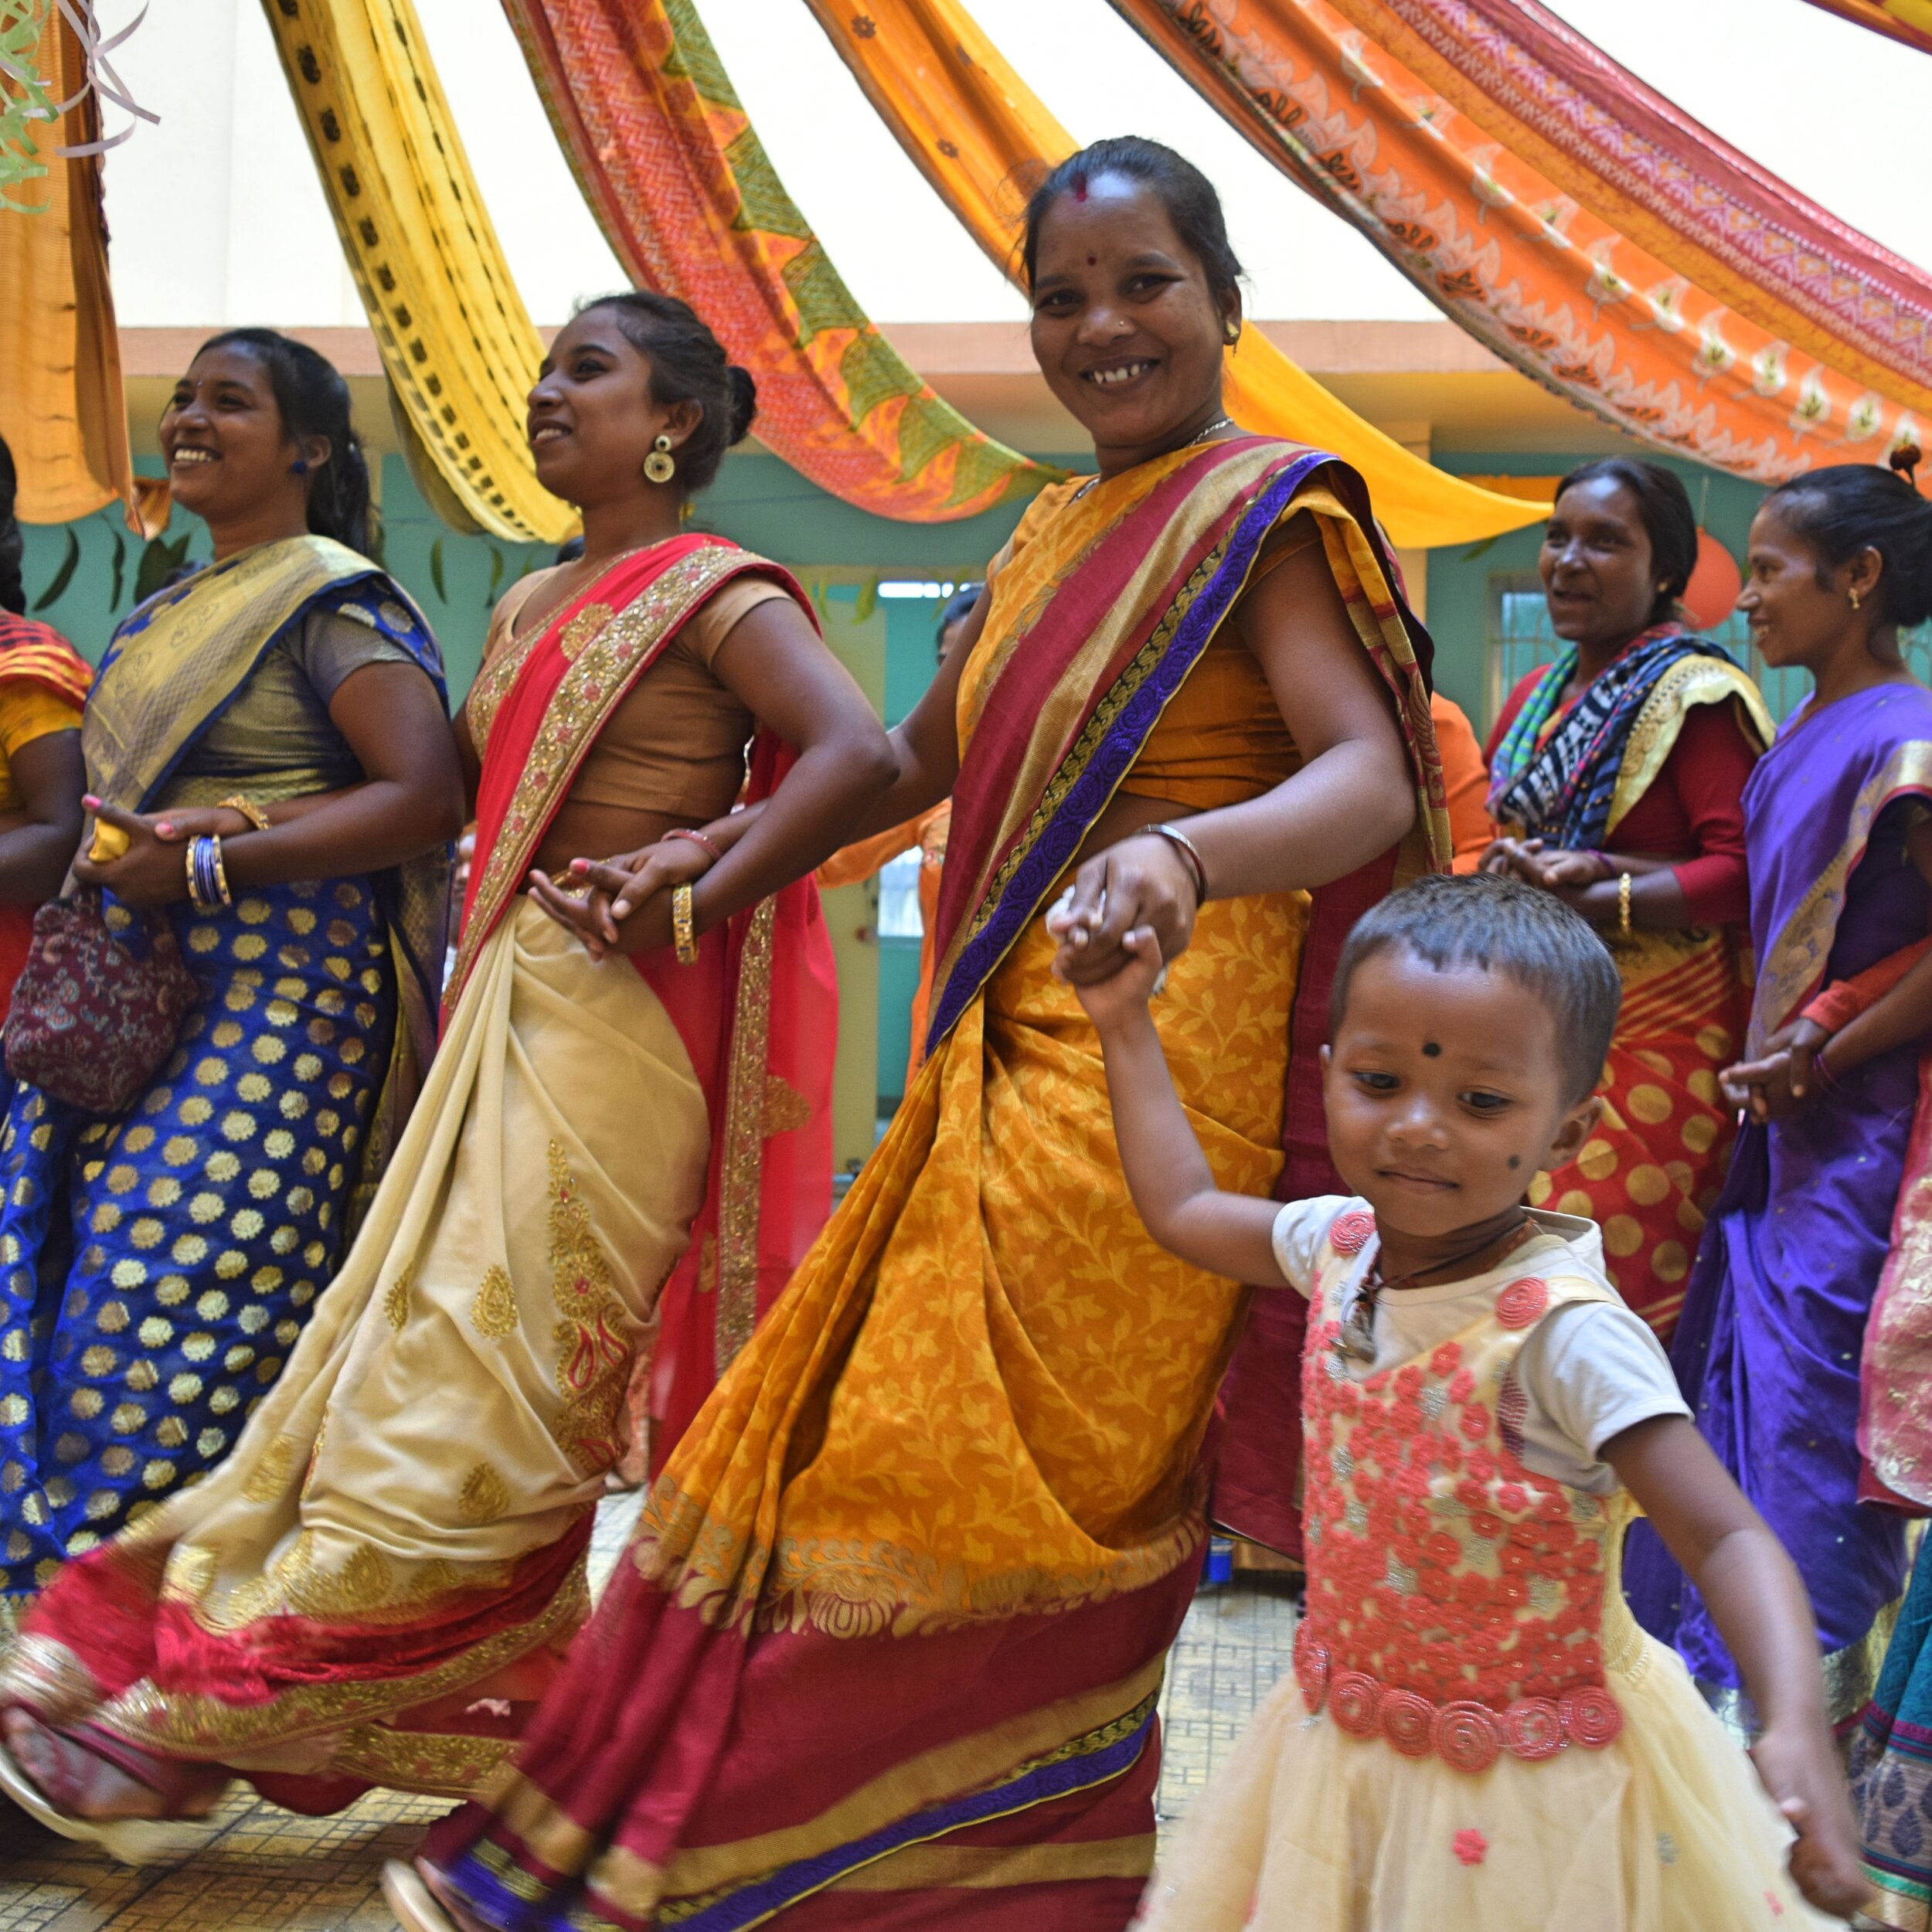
(684, 932)
(249, 810)
(1623, 905)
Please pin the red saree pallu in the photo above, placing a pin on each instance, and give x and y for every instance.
(887, 1648)
(378, 1584)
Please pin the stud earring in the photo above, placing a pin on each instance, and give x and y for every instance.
(1232, 335)
(299, 467)
(1855, 599)
(658, 466)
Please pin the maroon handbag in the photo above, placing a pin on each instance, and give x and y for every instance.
(98, 1006)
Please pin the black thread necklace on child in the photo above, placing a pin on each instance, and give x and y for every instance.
(1356, 1336)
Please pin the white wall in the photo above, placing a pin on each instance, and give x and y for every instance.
(217, 218)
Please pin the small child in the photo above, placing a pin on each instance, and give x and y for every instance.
(1475, 1733)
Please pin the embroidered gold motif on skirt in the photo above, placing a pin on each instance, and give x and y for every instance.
(484, 1497)
(395, 1303)
(593, 1337)
(493, 1307)
(269, 1477)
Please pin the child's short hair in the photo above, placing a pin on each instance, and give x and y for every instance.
(1504, 926)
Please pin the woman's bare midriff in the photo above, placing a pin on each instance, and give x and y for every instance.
(602, 832)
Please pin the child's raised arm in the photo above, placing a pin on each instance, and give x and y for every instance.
(1168, 1174)
(1759, 1605)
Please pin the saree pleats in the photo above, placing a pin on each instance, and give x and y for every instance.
(914, 1568)
(406, 1519)
(1651, 1173)
(184, 1242)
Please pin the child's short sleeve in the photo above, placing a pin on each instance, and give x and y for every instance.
(1593, 1370)
(1299, 1229)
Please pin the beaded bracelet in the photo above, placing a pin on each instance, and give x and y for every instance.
(684, 932)
(700, 840)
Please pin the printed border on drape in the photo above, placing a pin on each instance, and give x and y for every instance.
(689, 201)
(982, 138)
(459, 346)
(1507, 255)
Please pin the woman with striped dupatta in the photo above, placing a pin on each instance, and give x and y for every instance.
(886, 1647)
(375, 1588)
(1639, 738)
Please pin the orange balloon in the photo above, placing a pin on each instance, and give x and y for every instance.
(1711, 594)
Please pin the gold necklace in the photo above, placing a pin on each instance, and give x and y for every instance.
(1199, 436)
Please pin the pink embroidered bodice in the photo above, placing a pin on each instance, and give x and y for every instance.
(1456, 1599)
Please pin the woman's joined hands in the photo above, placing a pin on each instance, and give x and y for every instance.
(1784, 1080)
(622, 904)
(152, 872)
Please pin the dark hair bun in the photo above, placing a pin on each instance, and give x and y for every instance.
(13, 590)
(687, 365)
(744, 404)
(1851, 507)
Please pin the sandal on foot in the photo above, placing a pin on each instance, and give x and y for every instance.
(130, 1841)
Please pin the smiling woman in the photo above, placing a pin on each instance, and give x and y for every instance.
(377, 1586)
(1640, 737)
(888, 1644)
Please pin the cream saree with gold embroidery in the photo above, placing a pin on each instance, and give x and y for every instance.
(408, 1512)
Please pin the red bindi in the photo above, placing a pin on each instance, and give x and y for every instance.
(1092, 261)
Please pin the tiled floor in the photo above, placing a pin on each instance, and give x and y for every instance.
(267, 1871)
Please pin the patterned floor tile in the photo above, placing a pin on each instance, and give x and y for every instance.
(269, 1871)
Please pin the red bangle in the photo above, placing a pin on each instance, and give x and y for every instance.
(698, 839)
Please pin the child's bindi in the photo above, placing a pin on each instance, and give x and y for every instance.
(1431, 1050)
(1092, 261)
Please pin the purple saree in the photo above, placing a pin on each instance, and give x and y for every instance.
(1768, 1349)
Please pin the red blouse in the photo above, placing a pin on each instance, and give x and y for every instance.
(1694, 805)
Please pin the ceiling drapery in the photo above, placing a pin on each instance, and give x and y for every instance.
(458, 345)
(675, 174)
(1907, 21)
(1521, 262)
(982, 138)
(61, 409)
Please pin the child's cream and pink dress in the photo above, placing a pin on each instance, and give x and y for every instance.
(1475, 1735)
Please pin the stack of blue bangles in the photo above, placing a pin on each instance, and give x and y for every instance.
(207, 876)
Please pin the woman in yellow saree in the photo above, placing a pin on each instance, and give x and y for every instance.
(886, 1647)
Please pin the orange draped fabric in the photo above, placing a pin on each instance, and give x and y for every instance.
(1573, 293)
(1909, 21)
(690, 203)
(982, 138)
(61, 410)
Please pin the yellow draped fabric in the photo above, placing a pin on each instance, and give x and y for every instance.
(60, 402)
(982, 138)
(459, 346)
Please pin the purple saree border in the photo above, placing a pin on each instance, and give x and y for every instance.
(1087, 797)
(749, 1905)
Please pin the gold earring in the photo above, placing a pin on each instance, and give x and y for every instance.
(1854, 598)
(658, 466)
(1233, 334)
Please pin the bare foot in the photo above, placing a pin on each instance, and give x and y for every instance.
(85, 1785)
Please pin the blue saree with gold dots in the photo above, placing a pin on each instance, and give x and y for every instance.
(156, 1265)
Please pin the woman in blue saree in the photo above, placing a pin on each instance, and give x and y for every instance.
(1839, 833)
(278, 721)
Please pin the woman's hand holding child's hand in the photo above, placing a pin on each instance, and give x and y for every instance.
(1808, 1785)
(1110, 1001)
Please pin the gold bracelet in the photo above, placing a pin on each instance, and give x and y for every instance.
(1623, 905)
(249, 810)
(683, 927)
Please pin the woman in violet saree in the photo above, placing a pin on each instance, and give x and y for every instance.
(1640, 737)
(1839, 819)
(383, 1577)
(886, 1647)
(159, 1265)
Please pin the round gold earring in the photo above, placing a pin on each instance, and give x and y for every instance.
(1233, 334)
(658, 466)
(1854, 598)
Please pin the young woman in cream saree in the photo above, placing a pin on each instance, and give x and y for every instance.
(380, 1581)
(886, 1647)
